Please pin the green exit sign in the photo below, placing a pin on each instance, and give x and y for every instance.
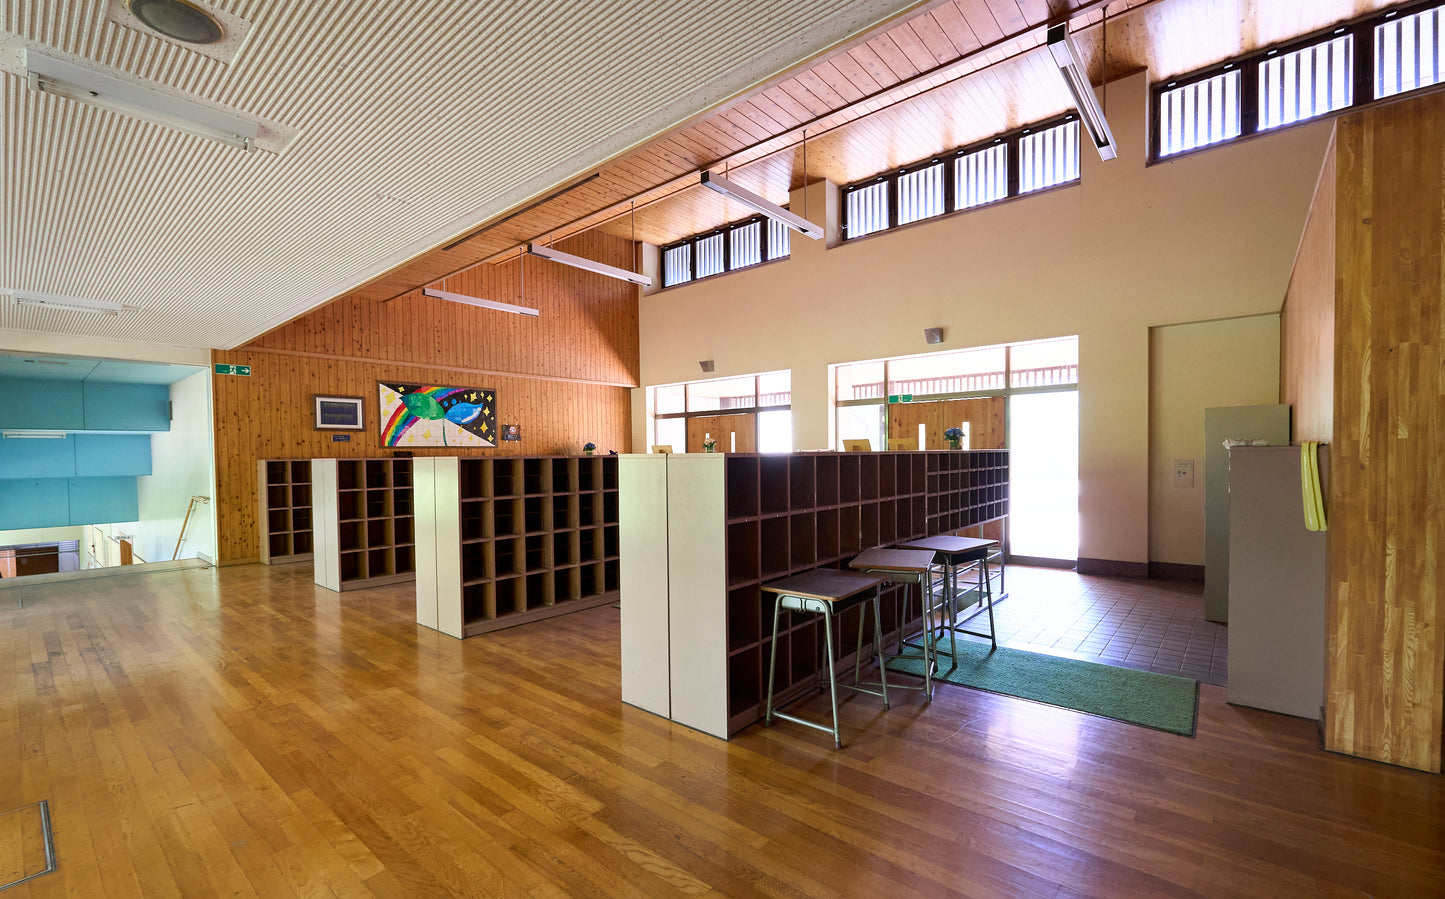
(900, 398)
(242, 370)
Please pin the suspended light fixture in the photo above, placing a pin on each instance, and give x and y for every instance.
(478, 301)
(771, 210)
(600, 268)
(1066, 55)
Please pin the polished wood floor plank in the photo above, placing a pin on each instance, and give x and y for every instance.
(241, 732)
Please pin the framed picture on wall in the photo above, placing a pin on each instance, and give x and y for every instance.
(339, 413)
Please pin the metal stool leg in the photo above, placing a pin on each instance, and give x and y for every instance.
(878, 648)
(987, 588)
(832, 677)
(773, 661)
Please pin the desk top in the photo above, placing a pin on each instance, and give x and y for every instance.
(913, 561)
(959, 548)
(826, 584)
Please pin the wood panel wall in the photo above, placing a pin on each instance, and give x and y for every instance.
(1307, 320)
(985, 417)
(1386, 650)
(744, 424)
(564, 377)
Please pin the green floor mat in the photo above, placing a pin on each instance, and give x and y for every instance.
(1160, 701)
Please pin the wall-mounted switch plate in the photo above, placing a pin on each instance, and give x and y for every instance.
(1183, 472)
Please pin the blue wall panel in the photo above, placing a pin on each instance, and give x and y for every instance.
(127, 407)
(35, 403)
(105, 455)
(102, 500)
(30, 457)
(35, 503)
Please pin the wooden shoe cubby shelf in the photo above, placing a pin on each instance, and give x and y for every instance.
(284, 510)
(506, 541)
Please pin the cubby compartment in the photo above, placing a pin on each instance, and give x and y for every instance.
(742, 486)
(887, 522)
(803, 548)
(563, 552)
(867, 476)
(536, 476)
(540, 592)
(506, 477)
(773, 480)
(301, 543)
(348, 475)
(745, 616)
(507, 517)
(848, 486)
(564, 512)
(477, 563)
(774, 547)
(349, 505)
(536, 548)
(887, 471)
(590, 540)
(537, 513)
(747, 676)
(353, 564)
(868, 525)
(802, 486)
(743, 559)
(610, 537)
(378, 503)
(827, 536)
(850, 531)
(564, 475)
(477, 522)
(589, 474)
(479, 602)
(825, 490)
(511, 596)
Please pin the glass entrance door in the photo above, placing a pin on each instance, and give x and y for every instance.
(1043, 445)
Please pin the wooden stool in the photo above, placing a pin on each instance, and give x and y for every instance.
(907, 566)
(953, 552)
(827, 592)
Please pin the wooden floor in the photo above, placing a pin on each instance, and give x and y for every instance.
(241, 732)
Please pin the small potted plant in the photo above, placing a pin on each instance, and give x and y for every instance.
(588, 447)
(954, 436)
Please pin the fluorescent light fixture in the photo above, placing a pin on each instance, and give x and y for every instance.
(51, 75)
(1066, 55)
(771, 210)
(43, 435)
(601, 268)
(68, 304)
(478, 301)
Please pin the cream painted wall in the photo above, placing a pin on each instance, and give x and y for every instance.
(1206, 236)
(1193, 367)
(182, 466)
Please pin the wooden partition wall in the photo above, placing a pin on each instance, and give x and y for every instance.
(564, 376)
(1377, 282)
(985, 417)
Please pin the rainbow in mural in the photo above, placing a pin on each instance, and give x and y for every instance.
(423, 415)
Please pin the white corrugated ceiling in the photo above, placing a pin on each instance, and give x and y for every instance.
(415, 120)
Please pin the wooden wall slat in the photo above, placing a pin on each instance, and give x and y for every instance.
(1385, 664)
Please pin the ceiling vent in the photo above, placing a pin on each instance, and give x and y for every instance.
(198, 27)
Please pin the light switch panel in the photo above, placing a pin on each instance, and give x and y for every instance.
(1183, 472)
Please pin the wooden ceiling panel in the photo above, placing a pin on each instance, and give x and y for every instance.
(954, 74)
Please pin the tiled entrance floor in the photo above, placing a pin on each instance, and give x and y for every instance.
(1151, 625)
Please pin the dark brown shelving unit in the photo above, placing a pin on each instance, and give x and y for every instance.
(786, 514)
(538, 538)
(366, 521)
(284, 510)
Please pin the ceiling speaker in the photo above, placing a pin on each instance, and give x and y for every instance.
(933, 335)
(707, 365)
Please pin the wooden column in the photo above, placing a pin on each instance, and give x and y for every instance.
(1386, 649)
